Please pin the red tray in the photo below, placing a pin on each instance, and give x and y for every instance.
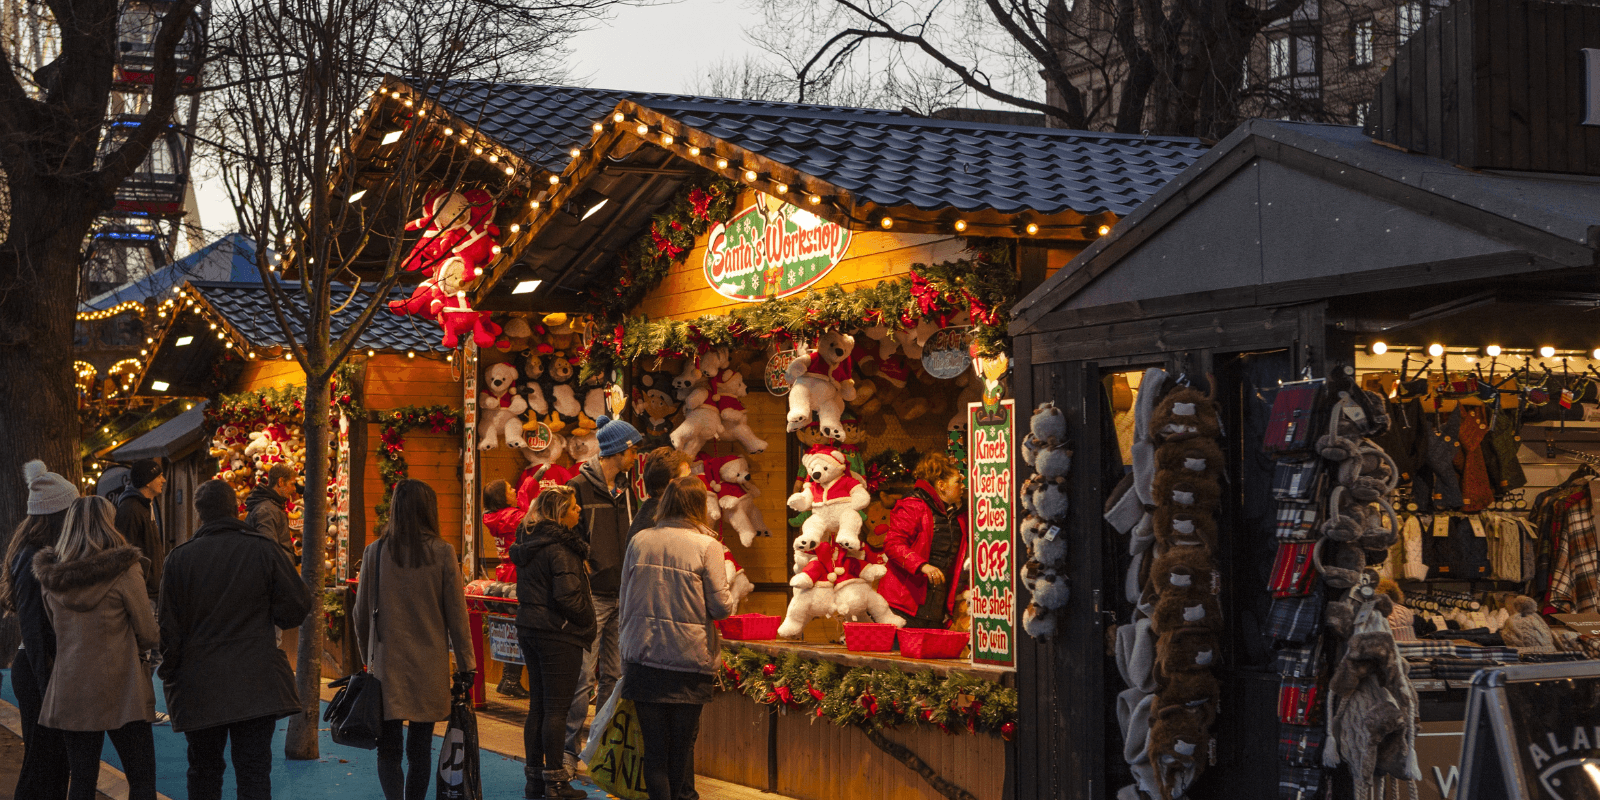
(932, 643)
(869, 637)
(749, 626)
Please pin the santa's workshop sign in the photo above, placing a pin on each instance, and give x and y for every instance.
(992, 522)
(772, 249)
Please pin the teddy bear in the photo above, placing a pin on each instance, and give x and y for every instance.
(875, 531)
(544, 471)
(834, 497)
(583, 445)
(499, 407)
(736, 496)
(654, 404)
(593, 395)
(739, 584)
(1185, 413)
(702, 421)
(821, 382)
(559, 331)
(726, 389)
(812, 598)
(854, 598)
(556, 399)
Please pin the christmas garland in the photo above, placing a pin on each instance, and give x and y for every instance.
(871, 697)
(284, 403)
(890, 467)
(698, 204)
(983, 285)
(392, 447)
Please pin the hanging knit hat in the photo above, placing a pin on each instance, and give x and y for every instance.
(615, 436)
(47, 491)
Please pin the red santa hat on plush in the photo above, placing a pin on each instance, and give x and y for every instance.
(831, 452)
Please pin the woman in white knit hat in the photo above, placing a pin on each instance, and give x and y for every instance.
(44, 761)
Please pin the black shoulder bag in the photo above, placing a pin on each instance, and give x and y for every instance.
(356, 713)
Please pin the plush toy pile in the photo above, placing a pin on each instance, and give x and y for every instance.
(244, 451)
(1168, 653)
(1043, 528)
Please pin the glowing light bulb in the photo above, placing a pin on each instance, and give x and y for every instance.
(1435, 350)
(666, 139)
(815, 199)
(1547, 352)
(642, 129)
(1033, 228)
(598, 127)
(449, 132)
(515, 227)
(694, 151)
(1104, 229)
(575, 152)
(555, 179)
(1492, 351)
(782, 188)
(1379, 348)
(960, 225)
(722, 163)
(618, 116)
(886, 223)
(750, 175)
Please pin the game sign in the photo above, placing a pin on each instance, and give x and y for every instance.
(992, 520)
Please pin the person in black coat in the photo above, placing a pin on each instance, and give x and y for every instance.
(223, 593)
(136, 519)
(555, 624)
(44, 773)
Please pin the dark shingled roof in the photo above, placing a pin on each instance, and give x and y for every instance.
(245, 306)
(889, 158)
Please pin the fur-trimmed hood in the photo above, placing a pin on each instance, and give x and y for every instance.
(82, 584)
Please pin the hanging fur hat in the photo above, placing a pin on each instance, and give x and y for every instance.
(1180, 743)
(1184, 489)
(1185, 413)
(1197, 458)
(1180, 526)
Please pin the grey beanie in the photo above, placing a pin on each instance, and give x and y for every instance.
(47, 491)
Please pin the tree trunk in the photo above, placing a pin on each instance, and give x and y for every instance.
(301, 741)
(38, 311)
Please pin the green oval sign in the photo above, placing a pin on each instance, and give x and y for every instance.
(772, 249)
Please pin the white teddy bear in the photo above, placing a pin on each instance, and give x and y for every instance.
(702, 421)
(812, 598)
(499, 407)
(833, 496)
(822, 382)
(726, 389)
(736, 496)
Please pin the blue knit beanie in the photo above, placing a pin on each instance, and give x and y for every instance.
(615, 436)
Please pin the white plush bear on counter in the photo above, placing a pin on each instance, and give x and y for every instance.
(833, 496)
(499, 408)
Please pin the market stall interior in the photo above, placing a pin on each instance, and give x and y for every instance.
(808, 304)
(1377, 335)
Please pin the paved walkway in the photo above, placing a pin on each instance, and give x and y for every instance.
(342, 773)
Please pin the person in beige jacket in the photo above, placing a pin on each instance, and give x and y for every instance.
(95, 595)
(422, 610)
(674, 588)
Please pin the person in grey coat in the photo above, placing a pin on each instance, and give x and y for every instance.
(223, 594)
(267, 507)
(674, 588)
(421, 613)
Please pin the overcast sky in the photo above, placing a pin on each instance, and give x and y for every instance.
(658, 48)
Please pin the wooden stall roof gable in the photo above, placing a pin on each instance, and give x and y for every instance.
(1283, 212)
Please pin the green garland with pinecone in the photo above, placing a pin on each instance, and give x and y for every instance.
(701, 202)
(392, 447)
(984, 285)
(870, 697)
(284, 403)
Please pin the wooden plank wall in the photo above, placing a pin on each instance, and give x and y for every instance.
(1495, 84)
(395, 381)
(269, 374)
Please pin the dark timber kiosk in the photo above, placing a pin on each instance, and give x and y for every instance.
(1465, 221)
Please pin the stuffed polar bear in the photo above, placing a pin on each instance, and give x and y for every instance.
(738, 583)
(500, 406)
(736, 495)
(833, 496)
(726, 389)
(702, 421)
(821, 383)
(812, 598)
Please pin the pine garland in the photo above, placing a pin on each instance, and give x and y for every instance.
(984, 285)
(870, 697)
(284, 403)
(392, 447)
(697, 205)
(890, 466)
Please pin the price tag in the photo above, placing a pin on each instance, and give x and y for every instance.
(1050, 535)
(1566, 398)
(1477, 527)
(1355, 413)
(1441, 525)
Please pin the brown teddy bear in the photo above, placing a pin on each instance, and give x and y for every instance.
(1185, 413)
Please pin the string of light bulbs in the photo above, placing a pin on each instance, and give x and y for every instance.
(1437, 350)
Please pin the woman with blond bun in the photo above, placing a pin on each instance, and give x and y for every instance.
(674, 589)
(927, 545)
(94, 591)
(555, 624)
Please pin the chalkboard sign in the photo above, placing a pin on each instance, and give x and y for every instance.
(1533, 731)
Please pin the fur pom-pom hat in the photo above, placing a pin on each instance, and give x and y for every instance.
(47, 491)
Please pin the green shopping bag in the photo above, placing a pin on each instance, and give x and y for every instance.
(617, 765)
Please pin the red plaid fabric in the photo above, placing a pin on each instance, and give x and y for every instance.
(1299, 702)
(1291, 425)
(1575, 573)
(1293, 573)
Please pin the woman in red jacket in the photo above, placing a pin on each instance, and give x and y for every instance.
(927, 545)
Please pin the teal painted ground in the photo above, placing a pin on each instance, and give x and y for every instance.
(343, 773)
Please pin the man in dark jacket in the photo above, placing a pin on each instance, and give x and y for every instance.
(136, 519)
(660, 467)
(267, 507)
(222, 593)
(608, 512)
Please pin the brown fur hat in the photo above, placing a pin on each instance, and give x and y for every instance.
(1193, 457)
(1185, 413)
(1188, 688)
(1185, 650)
(1174, 610)
(1367, 654)
(1180, 737)
(1178, 526)
(1184, 570)
(1184, 489)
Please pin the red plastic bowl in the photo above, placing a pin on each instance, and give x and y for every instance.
(869, 637)
(932, 643)
(749, 626)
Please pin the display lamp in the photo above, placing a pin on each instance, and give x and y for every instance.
(1104, 230)
(961, 225)
(694, 151)
(886, 223)
(1547, 352)
(1436, 350)
(526, 287)
(1379, 348)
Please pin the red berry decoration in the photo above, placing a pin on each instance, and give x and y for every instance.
(1008, 731)
(769, 670)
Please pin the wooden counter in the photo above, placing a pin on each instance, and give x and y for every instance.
(838, 654)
